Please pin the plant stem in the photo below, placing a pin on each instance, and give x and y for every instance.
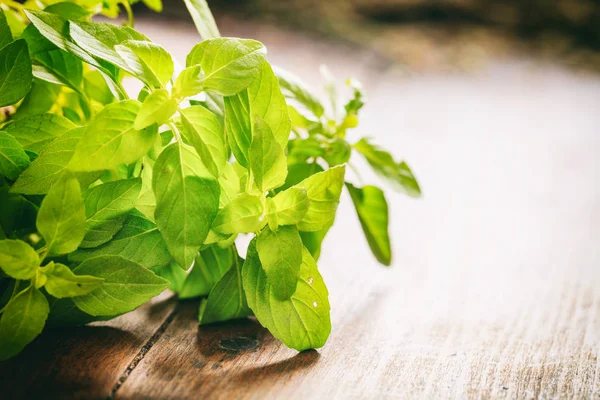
(127, 7)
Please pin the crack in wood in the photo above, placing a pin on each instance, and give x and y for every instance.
(142, 353)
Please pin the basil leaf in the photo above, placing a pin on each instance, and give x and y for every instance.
(34, 133)
(70, 11)
(187, 201)
(63, 312)
(323, 190)
(18, 259)
(202, 129)
(230, 185)
(293, 88)
(227, 299)
(5, 34)
(110, 139)
(96, 88)
(40, 99)
(382, 162)
(190, 82)
(301, 322)
(267, 159)
(158, 107)
(243, 214)
(61, 218)
(13, 159)
(280, 254)
(61, 282)
(314, 240)
(299, 172)
(18, 214)
(209, 267)
(138, 241)
(173, 273)
(101, 233)
(372, 210)
(203, 18)
(287, 207)
(229, 64)
(15, 72)
(126, 286)
(263, 99)
(147, 61)
(154, 5)
(22, 320)
(65, 67)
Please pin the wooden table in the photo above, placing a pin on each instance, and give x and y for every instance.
(495, 289)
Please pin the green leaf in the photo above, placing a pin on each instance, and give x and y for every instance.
(173, 273)
(227, 299)
(5, 34)
(187, 201)
(126, 286)
(313, 241)
(202, 129)
(323, 190)
(101, 233)
(209, 267)
(147, 61)
(302, 321)
(96, 88)
(63, 312)
(287, 207)
(154, 5)
(65, 68)
(243, 214)
(382, 162)
(69, 10)
(13, 159)
(263, 99)
(35, 132)
(189, 82)
(15, 23)
(229, 64)
(230, 185)
(110, 139)
(61, 218)
(267, 159)
(18, 214)
(298, 172)
(61, 282)
(280, 254)
(158, 107)
(372, 210)
(40, 99)
(22, 320)
(18, 259)
(15, 72)
(203, 18)
(293, 88)
(47, 168)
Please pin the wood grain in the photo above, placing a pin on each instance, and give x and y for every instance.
(495, 288)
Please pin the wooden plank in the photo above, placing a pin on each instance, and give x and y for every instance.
(83, 362)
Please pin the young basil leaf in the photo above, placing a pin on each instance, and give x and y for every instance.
(209, 267)
(61, 282)
(323, 190)
(372, 210)
(68, 10)
(147, 61)
(146, 203)
(263, 99)
(190, 82)
(126, 286)
(227, 299)
(203, 18)
(15, 72)
(5, 34)
(61, 218)
(382, 162)
(299, 172)
(280, 254)
(110, 139)
(267, 159)
(13, 159)
(35, 132)
(338, 152)
(157, 108)
(229, 64)
(47, 168)
(302, 321)
(293, 88)
(138, 241)
(243, 214)
(101, 233)
(22, 320)
(230, 185)
(18, 259)
(173, 273)
(287, 207)
(202, 129)
(187, 201)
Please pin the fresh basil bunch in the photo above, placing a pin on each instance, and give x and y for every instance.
(107, 201)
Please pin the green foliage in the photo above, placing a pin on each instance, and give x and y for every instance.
(107, 198)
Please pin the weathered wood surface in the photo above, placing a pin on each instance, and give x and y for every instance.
(495, 289)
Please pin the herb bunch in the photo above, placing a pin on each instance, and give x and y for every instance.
(106, 201)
